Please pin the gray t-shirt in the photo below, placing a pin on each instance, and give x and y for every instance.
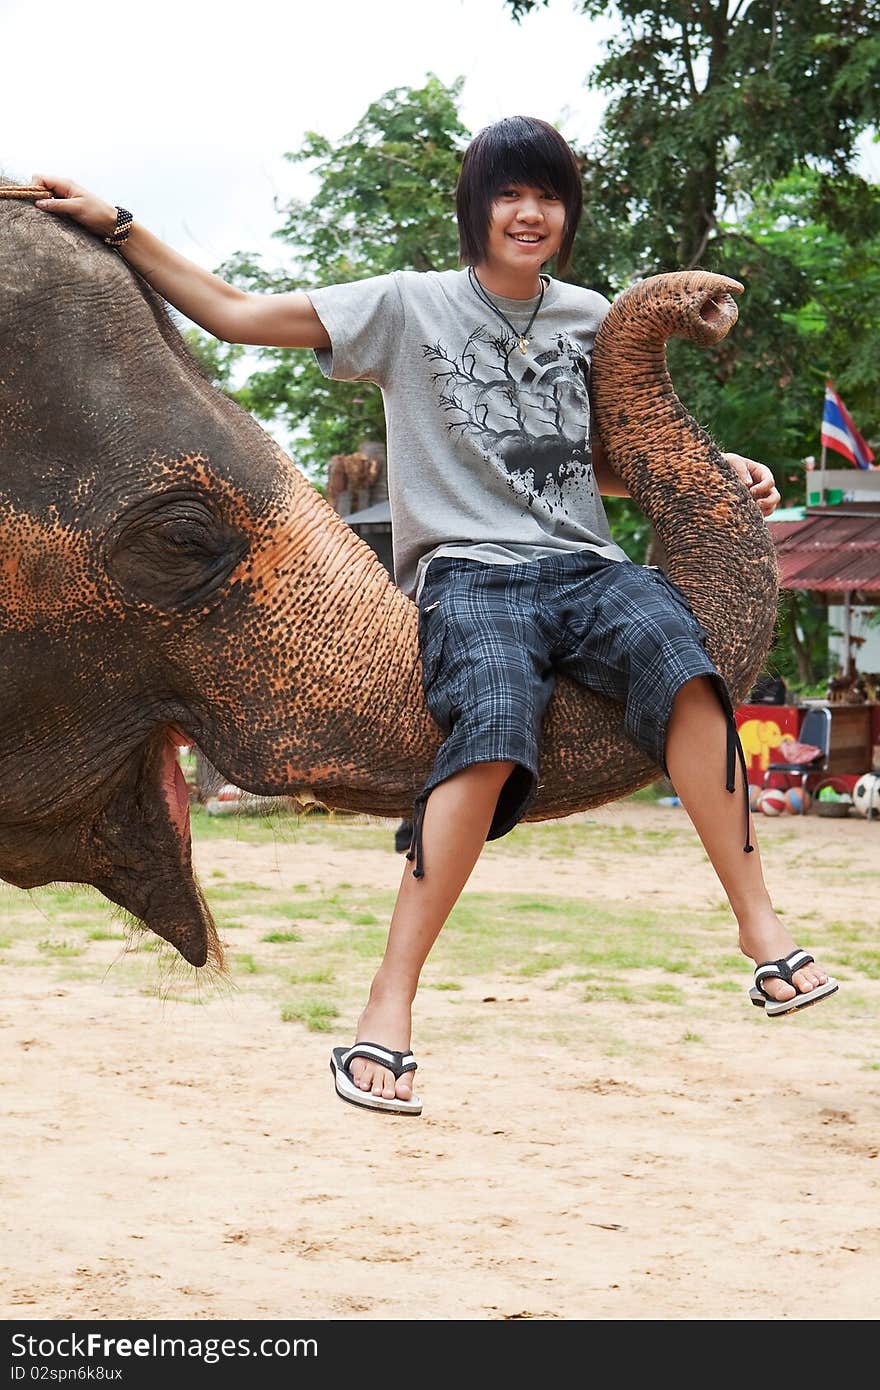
(488, 447)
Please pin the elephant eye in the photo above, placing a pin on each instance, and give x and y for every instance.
(186, 534)
(173, 553)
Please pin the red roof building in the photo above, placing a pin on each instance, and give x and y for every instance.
(832, 551)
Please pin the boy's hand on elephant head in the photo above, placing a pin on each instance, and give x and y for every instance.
(759, 480)
(73, 201)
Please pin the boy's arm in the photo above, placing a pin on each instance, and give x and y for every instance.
(759, 480)
(231, 314)
(610, 483)
(757, 477)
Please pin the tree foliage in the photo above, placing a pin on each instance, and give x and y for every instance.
(729, 141)
(710, 98)
(383, 202)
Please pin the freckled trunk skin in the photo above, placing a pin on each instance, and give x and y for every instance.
(717, 545)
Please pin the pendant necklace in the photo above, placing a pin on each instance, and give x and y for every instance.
(522, 339)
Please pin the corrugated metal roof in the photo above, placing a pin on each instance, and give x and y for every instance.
(830, 552)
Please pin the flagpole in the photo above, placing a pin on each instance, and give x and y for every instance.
(823, 457)
(848, 669)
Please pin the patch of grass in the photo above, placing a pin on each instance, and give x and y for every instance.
(231, 892)
(662, 993)
(311, 910)
(540, 965)
(726, 984)
(161, 992)
(863, 960)
(317, 1015)
(646, 956)
(70, 897)
(653, 792)
(59, 949)
(689, 1037)
(366, 943)
(684, 967)
(566, 838)
(600, 991)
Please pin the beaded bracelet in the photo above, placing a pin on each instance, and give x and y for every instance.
(124, 220)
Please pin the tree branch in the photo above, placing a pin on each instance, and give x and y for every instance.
(688, 61)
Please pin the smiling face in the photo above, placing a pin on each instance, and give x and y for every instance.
(525, 231)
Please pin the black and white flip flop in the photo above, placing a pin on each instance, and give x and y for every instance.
(396, 1062)
(783, 970)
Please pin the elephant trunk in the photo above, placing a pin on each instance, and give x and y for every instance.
(718, 547)
(337, 705)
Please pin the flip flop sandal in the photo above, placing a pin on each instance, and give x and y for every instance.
(783, 970)
(396, 1062)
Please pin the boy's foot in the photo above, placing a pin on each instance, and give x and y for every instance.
(388, 1023)
(771, 942)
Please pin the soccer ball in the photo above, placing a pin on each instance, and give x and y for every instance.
(866, 795)
(797, 801)
(772, 801)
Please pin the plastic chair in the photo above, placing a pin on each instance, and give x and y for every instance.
(816, 731)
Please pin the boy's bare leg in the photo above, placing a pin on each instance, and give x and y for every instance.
(696, 758)
(458, 815)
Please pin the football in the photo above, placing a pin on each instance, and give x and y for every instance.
(866, 795)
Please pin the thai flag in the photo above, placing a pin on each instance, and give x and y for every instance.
(839, 432)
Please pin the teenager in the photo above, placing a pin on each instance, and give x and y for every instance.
(500, 535)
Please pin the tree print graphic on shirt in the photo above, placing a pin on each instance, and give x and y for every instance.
(527, 417)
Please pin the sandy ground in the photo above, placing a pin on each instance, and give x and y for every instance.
(574, 1162)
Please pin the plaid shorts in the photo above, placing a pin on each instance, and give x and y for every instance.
(494, 637)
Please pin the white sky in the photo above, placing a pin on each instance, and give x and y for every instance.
(182, 110)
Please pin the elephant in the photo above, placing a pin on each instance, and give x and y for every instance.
(759, 737)
(168, 575)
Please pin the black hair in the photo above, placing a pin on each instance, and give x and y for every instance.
(517, 149)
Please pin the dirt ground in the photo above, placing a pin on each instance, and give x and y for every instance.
(573, 1161)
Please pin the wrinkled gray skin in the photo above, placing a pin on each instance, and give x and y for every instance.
(164, 566)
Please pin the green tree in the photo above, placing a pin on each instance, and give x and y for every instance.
(713, 107)
(709, 98)
(383, 203)
(729, 141)
(819, 296)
